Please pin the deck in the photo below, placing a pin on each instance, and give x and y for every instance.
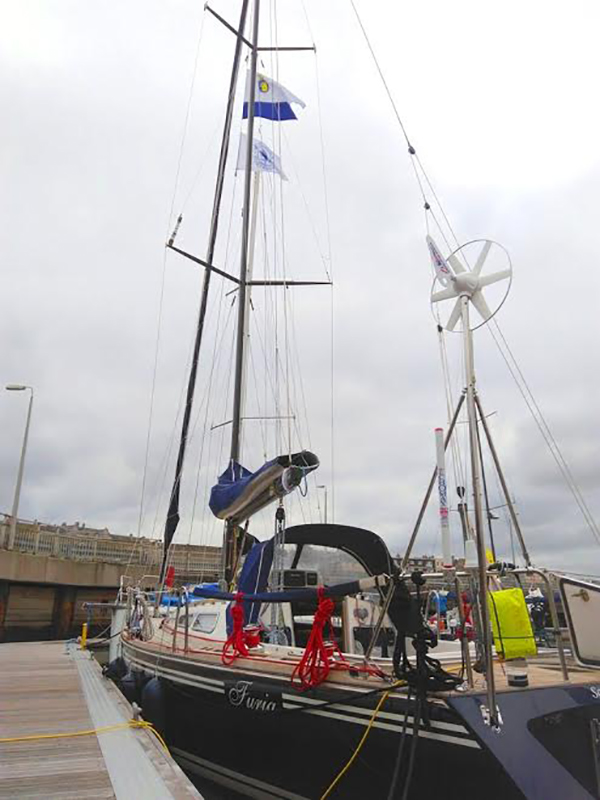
(50, 688)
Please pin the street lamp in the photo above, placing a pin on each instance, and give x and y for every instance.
(17, 387)
(322, 486)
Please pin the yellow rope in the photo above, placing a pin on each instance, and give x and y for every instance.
(133, 723)
(352, 758)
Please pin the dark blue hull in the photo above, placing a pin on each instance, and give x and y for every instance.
(259, 737)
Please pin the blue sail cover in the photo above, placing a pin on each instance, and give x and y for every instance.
(241, 493)
(254, 579)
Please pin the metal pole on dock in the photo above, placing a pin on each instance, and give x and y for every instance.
(15, 387)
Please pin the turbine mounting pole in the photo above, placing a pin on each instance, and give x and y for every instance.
(477, 503)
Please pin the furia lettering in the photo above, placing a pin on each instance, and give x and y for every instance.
(241, 695)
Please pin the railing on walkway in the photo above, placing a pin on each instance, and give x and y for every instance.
(33, 538)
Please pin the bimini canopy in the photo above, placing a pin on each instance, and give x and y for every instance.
(365, 546)
(241, 493)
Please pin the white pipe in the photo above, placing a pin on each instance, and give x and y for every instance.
(117, 624)
(15, 509)
(443, 497)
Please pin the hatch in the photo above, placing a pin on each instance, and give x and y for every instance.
(581, 602)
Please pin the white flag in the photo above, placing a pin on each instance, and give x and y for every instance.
(263, 158)
(271, 99)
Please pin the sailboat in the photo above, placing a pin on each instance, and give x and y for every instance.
(276, 685)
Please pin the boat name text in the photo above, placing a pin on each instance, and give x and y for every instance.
(243, 694)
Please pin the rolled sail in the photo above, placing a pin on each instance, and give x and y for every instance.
(240, 493)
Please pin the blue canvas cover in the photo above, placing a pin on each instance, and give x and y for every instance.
(287, 595)
(253, 580)
(240, 493)
(231, 484)
(255, 574)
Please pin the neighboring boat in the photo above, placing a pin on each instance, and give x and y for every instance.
(249, 684)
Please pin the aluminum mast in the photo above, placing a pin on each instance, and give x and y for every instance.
(230, 528)
(173, 513)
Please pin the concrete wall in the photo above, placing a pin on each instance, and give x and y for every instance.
(25, 568)
(42, 596)
(32, 612)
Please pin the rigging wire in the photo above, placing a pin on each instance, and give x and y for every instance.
(542, 425)
(416, 163)
(204, 426)
(173, 436)
(216, 352)
(279, 185)
(506, 515)
(423, 181)
(167, 459)
(163, 280)
(330, 273)
(458, 470)
(325, 259)
(213, 139)
(296, 382)
(204, 403)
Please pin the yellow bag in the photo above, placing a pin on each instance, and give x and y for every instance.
(511, 626)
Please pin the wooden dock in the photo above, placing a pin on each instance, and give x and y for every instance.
(49, 688)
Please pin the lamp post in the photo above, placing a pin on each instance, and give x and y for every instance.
(322, 486)
(16, 387)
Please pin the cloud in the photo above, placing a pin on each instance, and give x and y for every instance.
(91, 148)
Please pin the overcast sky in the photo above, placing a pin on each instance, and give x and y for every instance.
(500, 101)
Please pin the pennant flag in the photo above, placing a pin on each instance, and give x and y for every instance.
(263, 158)
(271, 100)
(440, 265)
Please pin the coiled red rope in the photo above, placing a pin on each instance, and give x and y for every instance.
(236, 644)
(318, 656)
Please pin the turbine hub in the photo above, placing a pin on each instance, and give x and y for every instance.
(466, 283)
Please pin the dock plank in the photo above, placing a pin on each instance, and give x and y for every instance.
(40, 694)
(46, 690)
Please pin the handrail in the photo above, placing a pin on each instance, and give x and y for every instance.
(177, 613)
(511, 570)
(186, 637)
(436, 595)
(553, 614)
(34, 539)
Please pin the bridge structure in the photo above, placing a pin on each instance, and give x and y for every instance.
(49, 572)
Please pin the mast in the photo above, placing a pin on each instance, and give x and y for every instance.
(251, 245)
(230, 529)
(245, 255)
(173, 513)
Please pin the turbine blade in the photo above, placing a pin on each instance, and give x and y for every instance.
(445, 294)
(440, 265)
(478, 301)
(456, 264)
(494, 277)
(482, 257)
(454, 316)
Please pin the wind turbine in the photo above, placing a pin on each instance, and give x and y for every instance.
(455, 279)
(456, 287)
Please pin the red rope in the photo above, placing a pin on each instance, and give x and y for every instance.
(236, 644)
(318, 656)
